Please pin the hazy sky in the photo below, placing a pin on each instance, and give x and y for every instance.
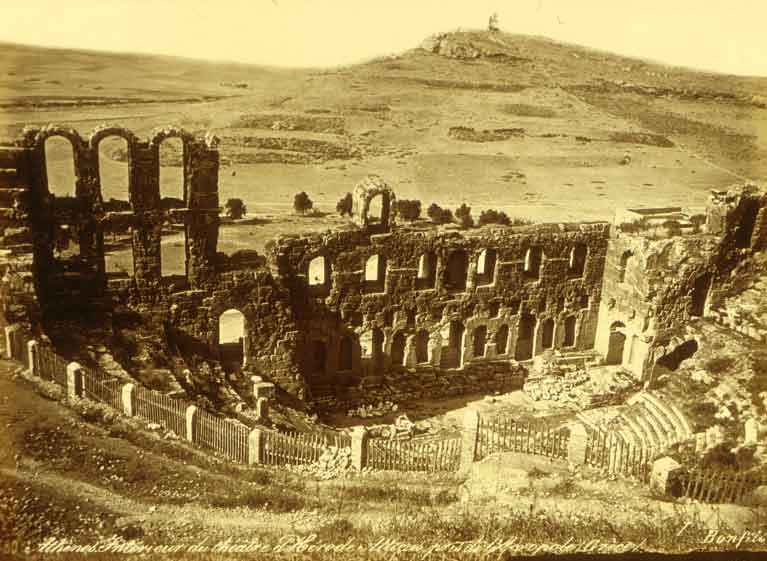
(723, 35)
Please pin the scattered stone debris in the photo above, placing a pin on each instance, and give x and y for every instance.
(373, 410)
(333, 462)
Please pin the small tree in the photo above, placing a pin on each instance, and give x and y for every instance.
(235, 209)
(408, 209)
(344, 205)
(302, 202)
(492, 216)
(439, 215)
(463, 216)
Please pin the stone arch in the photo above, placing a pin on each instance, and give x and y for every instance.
(364, 192)
(547, 333)
(479, 341)
(569, 336)
(456, 270)
(346, 353)
(231, 338)
(699, 295)
(103, 131)
(375, 273)
(502, 339)
(616, 343)
(163, 133)
(452, 355)
(427, 271)
(398, 348)
(422, 346)
(319, 272)
(525, 337)
(35, 137)
(578, 255)
(110, 133)
(486, 260)
(533, 262)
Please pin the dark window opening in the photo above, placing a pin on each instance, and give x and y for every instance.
(533, 259)
(584, 301)
(479, 339)
(615, 344)
(113, 173)
(410, 318)
(427, 271)
(514, 306)
(502, 339)
(493, 309)
(699, 295)
(745, 229)
(398, 349)
(578, 260)
(317, 356)
(422, 346)
(345, 353)
(569, 338)
(547, 334)
(452, 354)
(456, 270)
(525, 333)
(388, 318)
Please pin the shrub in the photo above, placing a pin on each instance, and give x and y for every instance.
(235, 209)
(718, 364)
(302, 203)
(344, 205)
(463, 216)
(439, 215)
(492, 216)
(408, 209)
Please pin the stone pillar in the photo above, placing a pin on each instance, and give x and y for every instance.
(663, 472)
(191, 417)
(576, 445)
(74, 380)
(32, 354)
(359, 448)
(255, 447)
(262, 408)
(9, 331)
(469, 439)
(128, 399)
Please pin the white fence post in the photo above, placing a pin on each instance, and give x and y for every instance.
(191, 417)
(74, 380)
(128, 399)
(9, 330)
(32, 354)
(469, 436)
(255, 447)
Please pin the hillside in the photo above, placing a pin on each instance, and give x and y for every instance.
(540, 129)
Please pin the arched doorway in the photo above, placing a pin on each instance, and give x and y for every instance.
(525, 332)
(547, 334)
(231, 339)
(456, 270)
(699, 296)
(501, 339)
(422, 346)
(453, 353)
(479, 340)
(398, 349)
(615, 344)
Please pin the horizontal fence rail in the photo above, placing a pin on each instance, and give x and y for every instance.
(161, 409)
(297, 449)
(716, 486)
(408, 455)
(508, 435)
(101, 387)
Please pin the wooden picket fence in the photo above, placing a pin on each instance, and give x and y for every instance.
(712, 486)
(508, 435)
(609, 451)
(161, 409)
(412, 455)
(227, 437)
(99, 386)
(297, 448)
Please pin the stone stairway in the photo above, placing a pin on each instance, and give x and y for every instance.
(646, 420)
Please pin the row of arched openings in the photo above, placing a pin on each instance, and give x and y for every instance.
(456, 268)
(114, 179)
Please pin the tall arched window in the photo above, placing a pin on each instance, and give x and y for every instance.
(172, 154)
(398, 349)
(319, 272)
(569, 338)
(456, 270)
(60, 166)
(452, 355)
(533, 259)
(502, 339)
(479, 340)
(525, 333)
(578, 255)
(623, 265)
(427, 271)
(486, 266)
(547, 333)
(231, 339)
(114, 178)
(422, 346)
(375, 273)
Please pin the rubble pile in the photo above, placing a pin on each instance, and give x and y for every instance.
(370, 410)
(564, 387)
(333, 462)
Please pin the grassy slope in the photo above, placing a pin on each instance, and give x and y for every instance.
(397, 112)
